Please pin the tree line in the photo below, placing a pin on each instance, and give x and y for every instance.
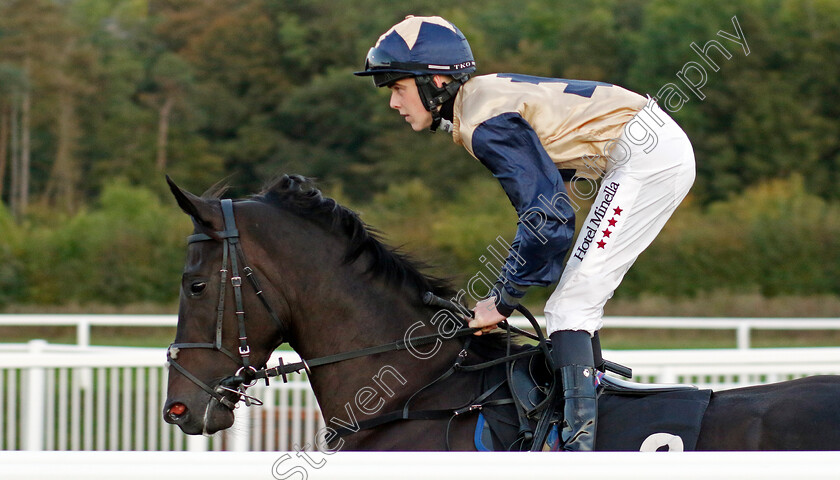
(98, 95)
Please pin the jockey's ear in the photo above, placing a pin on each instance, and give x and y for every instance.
(201, 211)
(441, 80)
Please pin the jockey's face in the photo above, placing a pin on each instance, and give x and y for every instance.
(406, 99)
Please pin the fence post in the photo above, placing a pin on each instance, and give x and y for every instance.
(83, 333)
(667, 375)
(197, 443)
(33, 403)
(83, 344)
(743, 335)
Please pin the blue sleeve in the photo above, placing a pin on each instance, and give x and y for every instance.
(509, 147)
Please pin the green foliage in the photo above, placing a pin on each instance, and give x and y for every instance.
(776, 238)
(452, 234)
(465, 228)
(128, 249)
(11, 285)
(281, 97)
(257, 88)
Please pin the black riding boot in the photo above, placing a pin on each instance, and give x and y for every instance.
(573, 362)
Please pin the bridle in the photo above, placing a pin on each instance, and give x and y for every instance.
(246, 375)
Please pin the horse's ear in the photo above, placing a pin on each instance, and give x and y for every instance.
(194, 206)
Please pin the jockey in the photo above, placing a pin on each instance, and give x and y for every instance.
(533, 134)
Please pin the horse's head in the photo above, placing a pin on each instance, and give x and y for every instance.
(227, 325)
(327, 286)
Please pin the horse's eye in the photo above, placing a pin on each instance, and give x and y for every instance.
(197, 288)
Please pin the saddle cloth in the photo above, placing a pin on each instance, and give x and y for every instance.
(647, 420)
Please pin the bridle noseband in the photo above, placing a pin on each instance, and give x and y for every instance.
(245, 377)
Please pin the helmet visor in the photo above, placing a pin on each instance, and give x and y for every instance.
(384, 68)
(385, 79)
(380, 60)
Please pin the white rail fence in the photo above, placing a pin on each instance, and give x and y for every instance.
(108, 398)
(60, 397)
(743, 327)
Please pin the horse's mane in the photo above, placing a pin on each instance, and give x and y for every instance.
(299, 195)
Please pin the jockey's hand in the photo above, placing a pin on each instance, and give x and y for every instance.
(486, 315)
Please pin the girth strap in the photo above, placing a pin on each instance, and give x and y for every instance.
(397, 415)
(477, 403)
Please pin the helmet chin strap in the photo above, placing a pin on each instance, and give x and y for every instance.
(439, 122)
(445, 125)
(433, 97)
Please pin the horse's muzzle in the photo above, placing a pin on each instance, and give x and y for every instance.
(206, 419)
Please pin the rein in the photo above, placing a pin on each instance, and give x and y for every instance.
(282, 369)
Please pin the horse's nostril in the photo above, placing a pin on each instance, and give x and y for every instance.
(176, 410)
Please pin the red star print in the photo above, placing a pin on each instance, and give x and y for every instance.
(607, 233)
(602, 244)
(617, 210)
(612, 222)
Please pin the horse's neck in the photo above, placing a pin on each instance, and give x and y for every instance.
(372, 385)
(337, 308)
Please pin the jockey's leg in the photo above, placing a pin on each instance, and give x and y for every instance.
(573, 360)
(639, 192)
(645, 181)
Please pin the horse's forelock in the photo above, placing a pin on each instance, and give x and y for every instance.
(216, 191)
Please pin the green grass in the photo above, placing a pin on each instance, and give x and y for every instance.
(632, 339)
(122, 336)
(726, 304)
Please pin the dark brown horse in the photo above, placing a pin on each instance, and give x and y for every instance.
(290, 265)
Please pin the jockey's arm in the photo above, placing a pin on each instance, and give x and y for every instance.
(511, 150)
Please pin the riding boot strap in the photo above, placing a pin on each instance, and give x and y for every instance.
(580, 410)
(596, 352)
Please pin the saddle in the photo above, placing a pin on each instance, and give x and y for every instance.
(528, 421)
(531, 380)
